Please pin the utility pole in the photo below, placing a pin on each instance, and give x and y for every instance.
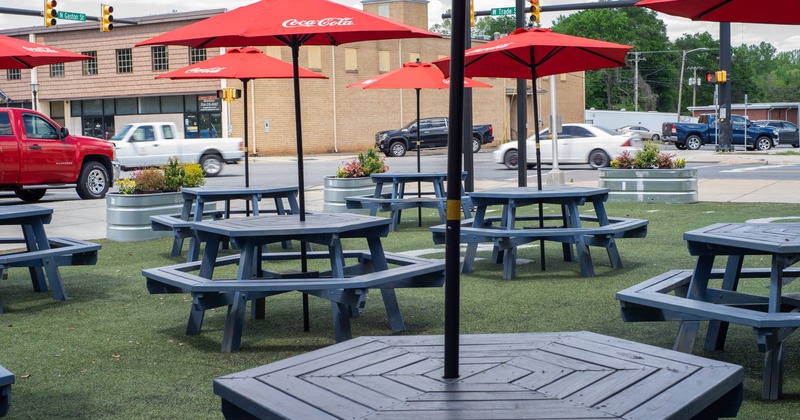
(680, 81)
(636, 60)
(695, 84)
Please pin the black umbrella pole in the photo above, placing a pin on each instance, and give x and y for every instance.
(246, 149)
(538, 156)
(300, 179)
(452, 287)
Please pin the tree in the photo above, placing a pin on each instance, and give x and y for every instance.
(640, 28)
(491, 25)
(443, 28)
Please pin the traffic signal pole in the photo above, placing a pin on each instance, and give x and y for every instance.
(725, 127)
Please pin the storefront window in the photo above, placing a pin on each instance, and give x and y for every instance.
(126, 106)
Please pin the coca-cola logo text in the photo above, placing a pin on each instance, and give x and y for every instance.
(40, 49)
(206, 70)
(331, 21)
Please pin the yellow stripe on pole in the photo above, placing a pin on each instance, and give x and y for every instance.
(453, 210)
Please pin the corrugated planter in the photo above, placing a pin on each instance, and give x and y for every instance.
(650, 185)
(335, 190)
(128, 215)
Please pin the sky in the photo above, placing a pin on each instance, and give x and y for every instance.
(782, 37)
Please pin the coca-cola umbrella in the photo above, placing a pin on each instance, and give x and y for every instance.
(291, 23)
(18, 54)
(244, 64)
(415, 76)
(748, 11)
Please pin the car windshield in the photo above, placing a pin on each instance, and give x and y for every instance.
(121, 133)
(409, 125)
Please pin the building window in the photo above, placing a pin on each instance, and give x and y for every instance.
(90, 66)
(124, 60)
(197, 55)
(413, 57)
(314, 57)
(383, 61)
(57, 70)
(351, 59)
(160, 58)
(383, 10)
(13, 74)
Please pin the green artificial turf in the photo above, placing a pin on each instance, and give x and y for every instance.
(115, 351)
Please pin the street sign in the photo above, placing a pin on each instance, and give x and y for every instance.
(80, 17)
(503, 11)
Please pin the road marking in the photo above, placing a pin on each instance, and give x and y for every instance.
(756, 168)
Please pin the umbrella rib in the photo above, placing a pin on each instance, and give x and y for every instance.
(595, 53)
(547, 56)
(511, 56)
(27, 66)
(711, 10)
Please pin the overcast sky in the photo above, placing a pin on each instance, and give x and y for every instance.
(782, 37)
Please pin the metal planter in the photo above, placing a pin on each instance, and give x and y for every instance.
(128, 215)
(650, 185)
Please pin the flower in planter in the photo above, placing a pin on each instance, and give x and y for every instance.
(168, 178)
(365, 164)
(649, 157)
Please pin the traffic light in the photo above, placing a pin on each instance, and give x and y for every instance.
(229, 94)
(722, 76)
(50, 13)
(711, 77)
(106, 18)
(471, 13)
(535, 11)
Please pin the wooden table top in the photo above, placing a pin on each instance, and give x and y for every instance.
(773, 238)
(25, 210)
(560, 191)
(235, 191)
(525, 376)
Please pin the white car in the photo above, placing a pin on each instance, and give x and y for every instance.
(645, 132)
(577, 144)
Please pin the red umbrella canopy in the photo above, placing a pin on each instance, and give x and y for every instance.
(414, 76)
(240, 63)
(763, 11)
(548, 52)
(18, 54)
(286, 22)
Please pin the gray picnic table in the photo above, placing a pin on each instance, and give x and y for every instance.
(507, 231)
(773, 317)
(6, 380)
(42, 255)
(567, 375)
(195, 200)
(344, 284)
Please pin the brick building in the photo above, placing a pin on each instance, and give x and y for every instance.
(98, 96)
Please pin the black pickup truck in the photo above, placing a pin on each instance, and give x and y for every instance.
(433, 133)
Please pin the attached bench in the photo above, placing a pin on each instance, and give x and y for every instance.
(63, 251)
(506, 241)
(343, 293)
(6, 380)
(395, 206)
(663, 298)
(182, 229)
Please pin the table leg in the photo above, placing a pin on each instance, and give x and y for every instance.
(472, 248)
(774, 361)
(566, 247)
(194, 243)
(57, 289)
(37, 273)
(279, 209)
(389, 297)
(341, 322)
(687, 333)
(718, 330)
(196, 315)
(291, 197)
(234, 323)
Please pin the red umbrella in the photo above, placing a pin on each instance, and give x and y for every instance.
(416, 76)
(765, 11)
(18, 54)
(244, 64)
(538, 52)
(289, 23)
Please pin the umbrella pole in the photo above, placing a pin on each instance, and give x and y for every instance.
(538, 154)
(300, 179)
(419, 166)
(246, 148)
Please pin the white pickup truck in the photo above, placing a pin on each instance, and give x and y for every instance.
(141, 145)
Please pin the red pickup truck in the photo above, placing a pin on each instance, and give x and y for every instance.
(36, 154)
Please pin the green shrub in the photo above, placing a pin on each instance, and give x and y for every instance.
(365, 164)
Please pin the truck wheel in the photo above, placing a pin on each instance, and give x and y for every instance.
(211, 164)
(30, 195)
(511, 159)
(397, 149)
(598, 159)
(476, 144)
(694, 142)
(93, 182)
(763, 143)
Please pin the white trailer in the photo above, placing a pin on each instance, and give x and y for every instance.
(617, 119)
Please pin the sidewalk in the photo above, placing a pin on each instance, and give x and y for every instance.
(86, 219)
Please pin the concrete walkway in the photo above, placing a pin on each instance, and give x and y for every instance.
(86, 219)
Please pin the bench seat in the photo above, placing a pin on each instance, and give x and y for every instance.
(507, 240)
(182, 229)
(343, 293)
(6, 380)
